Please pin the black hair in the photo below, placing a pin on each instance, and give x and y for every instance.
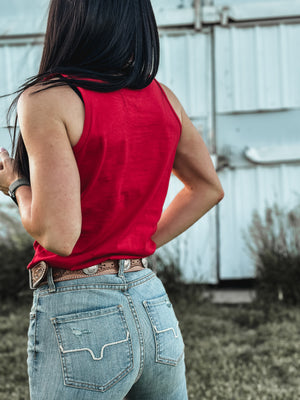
(114, 42)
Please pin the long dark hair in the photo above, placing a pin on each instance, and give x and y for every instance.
(113, 41)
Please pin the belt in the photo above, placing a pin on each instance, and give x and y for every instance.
(38, 273)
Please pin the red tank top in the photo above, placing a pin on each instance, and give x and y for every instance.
(125, 158)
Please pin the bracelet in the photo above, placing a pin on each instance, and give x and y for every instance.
(14, 186)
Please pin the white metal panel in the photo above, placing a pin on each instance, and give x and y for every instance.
(18, 61)
(22, 17)
(5, 140)
(194, 251)
(174, 12)
(247, 2)
(186, 68)
(246, 190)
(166, 5)
(4, 200)
(257, 68)
(241, 10)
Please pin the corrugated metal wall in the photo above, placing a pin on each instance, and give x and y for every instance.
(257, 106)
(251, 189)
(191, 80)
(235, 70)
(257, 68)
(186, 67)
(251, 101)
(19, 59)
(22, 17)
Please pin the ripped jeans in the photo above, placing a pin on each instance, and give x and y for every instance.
(105, 337)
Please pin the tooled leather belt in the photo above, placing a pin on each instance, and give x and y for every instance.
(38, 273)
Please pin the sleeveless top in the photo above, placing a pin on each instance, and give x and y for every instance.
(125, 157)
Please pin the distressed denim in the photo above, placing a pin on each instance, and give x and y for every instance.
(105, 337)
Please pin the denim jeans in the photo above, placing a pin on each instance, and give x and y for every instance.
(105, 337)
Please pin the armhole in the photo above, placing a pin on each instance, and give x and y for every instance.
(87, 121)
(77, 91)
(168, 101)
(86, 128)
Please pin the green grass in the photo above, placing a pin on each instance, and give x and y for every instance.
(235, 353)
(232, 353)
(14, 321)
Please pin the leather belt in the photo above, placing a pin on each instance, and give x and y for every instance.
(38, 273)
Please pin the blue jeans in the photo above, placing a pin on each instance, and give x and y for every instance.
(105, 337)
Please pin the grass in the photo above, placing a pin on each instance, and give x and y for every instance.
(232, 352)
(13, 332)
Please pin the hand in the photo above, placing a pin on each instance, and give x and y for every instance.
(7, 175)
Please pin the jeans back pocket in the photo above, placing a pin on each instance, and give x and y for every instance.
(168, 338)
(95, 347)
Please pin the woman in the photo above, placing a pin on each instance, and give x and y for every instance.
(99, 140)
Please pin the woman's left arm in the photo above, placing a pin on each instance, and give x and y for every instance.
(50, 209)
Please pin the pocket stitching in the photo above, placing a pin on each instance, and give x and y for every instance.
(91, 351)
(84, 385)
(158, 357)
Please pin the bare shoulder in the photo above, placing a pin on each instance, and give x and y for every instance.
(53, 100)
(56, 105)
(173, 100)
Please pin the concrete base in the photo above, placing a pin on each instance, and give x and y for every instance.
(230, 296)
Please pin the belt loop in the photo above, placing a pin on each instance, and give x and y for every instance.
(51, 284)
(153, 258)
(121, 269)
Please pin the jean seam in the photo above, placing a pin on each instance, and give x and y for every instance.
(35, 329)
(140, 334)
(94, 286)
(140, 281)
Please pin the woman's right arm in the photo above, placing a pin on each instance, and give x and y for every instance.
(202, 188)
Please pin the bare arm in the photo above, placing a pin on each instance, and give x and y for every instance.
(50, 209)
(193, 166)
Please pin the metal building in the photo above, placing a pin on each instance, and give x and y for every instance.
(234, 65)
